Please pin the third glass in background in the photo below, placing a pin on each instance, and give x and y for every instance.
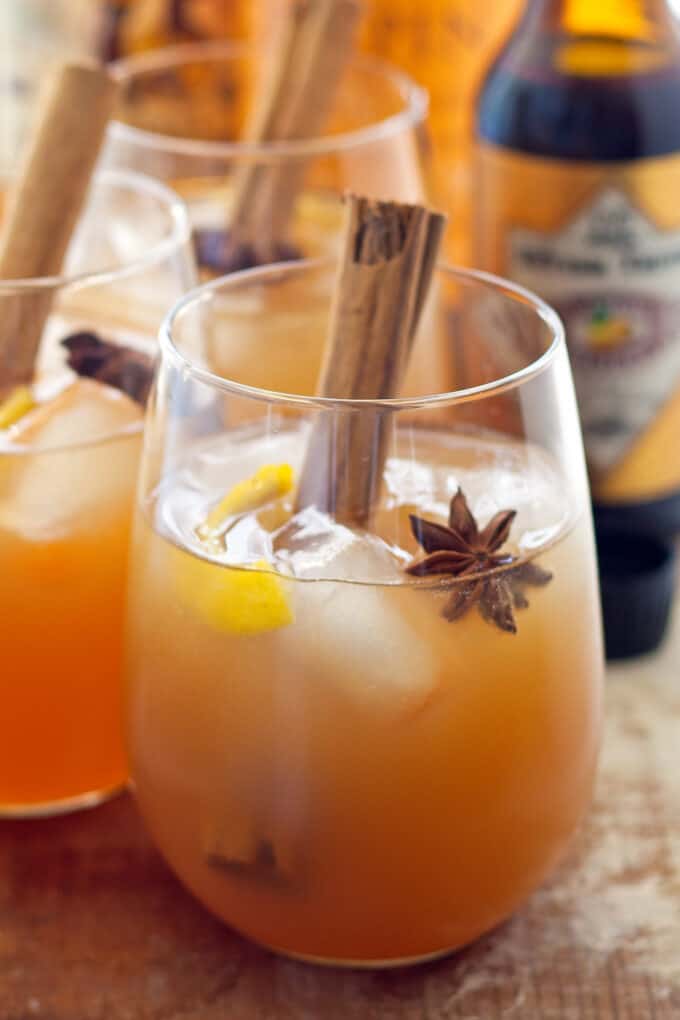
(182, 116)
(179, 105)
(445, 45)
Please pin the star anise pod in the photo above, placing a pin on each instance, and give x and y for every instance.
(464, 551)
(125, 368)
(217, 252)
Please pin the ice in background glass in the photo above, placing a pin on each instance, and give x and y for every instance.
(184, 109)
(67, 474)
(347, 762)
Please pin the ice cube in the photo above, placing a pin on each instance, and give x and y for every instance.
(354, 637)
(68, 476)
(348, 631)
(313, 545)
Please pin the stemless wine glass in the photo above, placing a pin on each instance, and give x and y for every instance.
(67, 474)
(181, 118)
(364, 746)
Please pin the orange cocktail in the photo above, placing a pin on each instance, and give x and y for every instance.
(66, 485)
(363, 745)
(332, 765)
(70, 440)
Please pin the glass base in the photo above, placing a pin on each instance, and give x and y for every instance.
(324, 961)
(52, 808)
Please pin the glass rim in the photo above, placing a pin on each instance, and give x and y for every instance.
(178, 235)
(415, 108)
(198, 295)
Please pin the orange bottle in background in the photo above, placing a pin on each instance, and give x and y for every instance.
(130, 26)
(446, 46)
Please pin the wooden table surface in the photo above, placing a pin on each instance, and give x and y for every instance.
(94, 927)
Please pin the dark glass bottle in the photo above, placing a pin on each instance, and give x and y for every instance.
(587, 80)
(578, 198)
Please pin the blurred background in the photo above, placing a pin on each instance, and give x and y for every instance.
(445, 45)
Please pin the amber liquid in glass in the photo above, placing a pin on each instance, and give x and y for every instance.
(64, 534)
(67, 476)
(365, 781)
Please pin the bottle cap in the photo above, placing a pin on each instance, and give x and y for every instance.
(637, 580)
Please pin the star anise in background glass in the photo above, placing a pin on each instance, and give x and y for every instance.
(463, 551)
(125, 368)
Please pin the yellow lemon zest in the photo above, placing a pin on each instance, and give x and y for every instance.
(18, 403)
(234, 600)
(269, 482)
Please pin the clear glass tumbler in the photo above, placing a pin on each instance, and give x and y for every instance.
(67, 473)
(182, 115)
(364, 746)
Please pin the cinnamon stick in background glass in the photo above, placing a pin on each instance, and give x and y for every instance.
(314, 43)
(296, 91)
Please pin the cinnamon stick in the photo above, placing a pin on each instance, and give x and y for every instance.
(389, 253)
(314, 43)
(46, 203)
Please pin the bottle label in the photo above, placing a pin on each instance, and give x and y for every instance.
(602, 244)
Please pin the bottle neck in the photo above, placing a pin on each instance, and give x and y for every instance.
(643, 20)
(600, 37)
